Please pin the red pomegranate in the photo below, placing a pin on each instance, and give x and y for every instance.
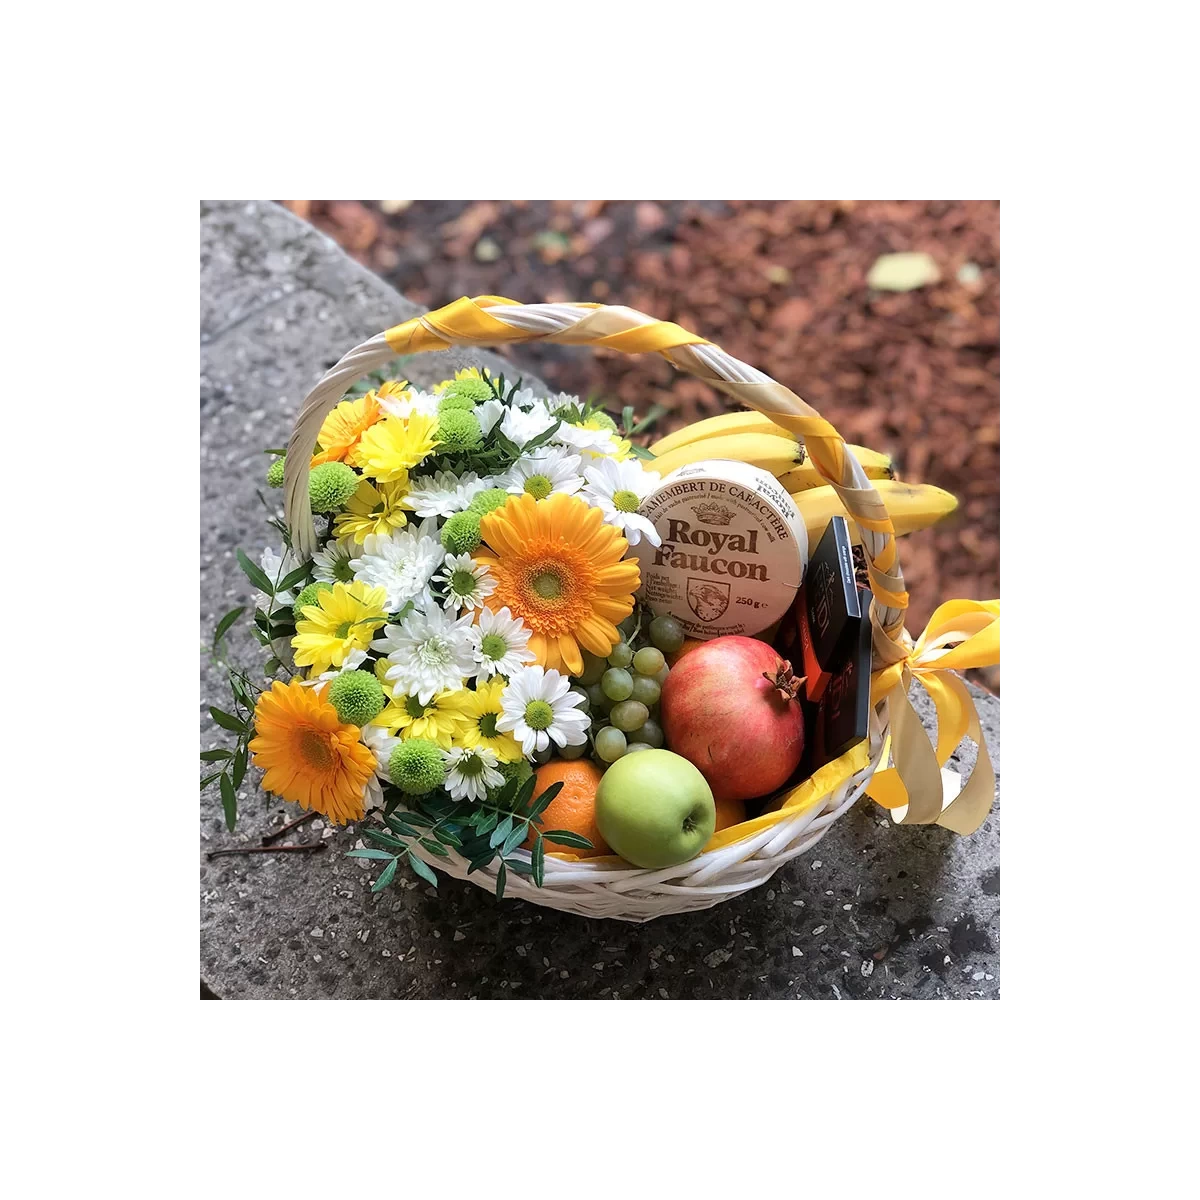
(729, 708)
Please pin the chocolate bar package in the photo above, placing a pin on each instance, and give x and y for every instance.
(821, 628)
(840, 720)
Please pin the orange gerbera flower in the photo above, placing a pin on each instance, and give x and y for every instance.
(558, 567)
(344, 427)
(309, 756)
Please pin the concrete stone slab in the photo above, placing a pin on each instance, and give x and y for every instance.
(875, 911)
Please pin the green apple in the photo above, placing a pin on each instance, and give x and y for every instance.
(655, 809)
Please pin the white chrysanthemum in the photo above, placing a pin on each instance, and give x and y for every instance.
(424, 403)
(402, 562)
(500, 643)
(428, 653)
(467, 582)
(522, 426)
(564, 400)
(538, 707)
(353, 660)
(524, 398)
(441, 494)
(551, 469)
(332, 565)
(488, 413)
(471, 485)
(579, 437)
(381, 742)
(470, 771)
(617, 489)
(275, 569)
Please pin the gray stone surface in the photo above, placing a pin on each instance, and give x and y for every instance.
(874, 911)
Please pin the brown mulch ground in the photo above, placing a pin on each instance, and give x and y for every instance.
(779, 284)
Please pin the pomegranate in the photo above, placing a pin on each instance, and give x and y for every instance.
(729, 707)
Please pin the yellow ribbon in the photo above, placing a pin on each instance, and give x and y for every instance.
(961, 634)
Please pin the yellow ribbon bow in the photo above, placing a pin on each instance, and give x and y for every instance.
(961, 634)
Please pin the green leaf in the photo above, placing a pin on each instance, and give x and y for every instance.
(435, 848)
(209, 778)
(501, 832)
(627, 418)
(226, 721)
(416, 819)
(519, 834)
(215, 755)
(541, 438)
(255, 574)
(642, 452)
(293, 577)
(273, 664)
(239, 766)
(381, 855)
(501, 880)
(384, 839)
(537, 861)
(482, 861)
(564, 837)
(229, 803)
(422, 868)
(277, 451)
(505, 797)
(448, 838)
(488, 823)
(655, 411)
(543, 801)
(525, 794)
(385, 876)
(226, 623)
(516, 865)
(398, 826)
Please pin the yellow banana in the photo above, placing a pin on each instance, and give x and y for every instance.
(774, 454)
(726, 423)
(911, 506)
(799, 479)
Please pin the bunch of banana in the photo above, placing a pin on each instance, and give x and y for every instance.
(752, 437)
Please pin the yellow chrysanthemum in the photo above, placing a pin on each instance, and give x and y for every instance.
(345, 426)
(308, 755)
(465, 373)
(558, 567)
(373, 510)
(342, 619)
(441, 720)
(481, 710)
(393, 446)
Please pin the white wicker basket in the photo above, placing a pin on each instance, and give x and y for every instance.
(608, 887)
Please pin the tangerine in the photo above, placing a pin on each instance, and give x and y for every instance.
(574, 808)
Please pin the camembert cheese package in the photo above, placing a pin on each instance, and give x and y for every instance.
(734, 549)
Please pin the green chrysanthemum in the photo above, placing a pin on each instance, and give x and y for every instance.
(519, 770)
(474, 390)
(330, 485)
(357, 696)
(309, 596)
(460, 534)
(488, 500)
(458, 432)
(275, 472)
(455, 403)
(602, 421)
(416, 766)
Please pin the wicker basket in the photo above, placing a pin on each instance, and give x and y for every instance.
(747, 855)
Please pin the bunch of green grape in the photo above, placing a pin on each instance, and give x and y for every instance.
(622, 691)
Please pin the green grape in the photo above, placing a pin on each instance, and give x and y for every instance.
(617, 684)
(610, 744)
(667, 634)
(586, 706)
(629, 715)
(621, 655)
(628, 625)
(649, 661)
(593, 668)
(661, 677)
(597, 700)
(634, 747)
(650, 733)
(646, 691)
(572, 752)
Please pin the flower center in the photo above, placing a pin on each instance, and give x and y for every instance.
(314, 747)
(538, 486)
(342, 571)
(493, 646)
(462, 583)
(548, 585)
(625, 501)
(414, 707)
(470, 766)
(436, 652)
(538, 714)
(487, 725)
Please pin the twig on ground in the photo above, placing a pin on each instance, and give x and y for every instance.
(269, 850)
(268, 838)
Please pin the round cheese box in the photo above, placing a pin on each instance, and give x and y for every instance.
(734, 549)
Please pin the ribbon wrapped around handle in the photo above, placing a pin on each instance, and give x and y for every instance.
(960, 635)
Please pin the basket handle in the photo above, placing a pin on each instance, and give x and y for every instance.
(494, 320)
